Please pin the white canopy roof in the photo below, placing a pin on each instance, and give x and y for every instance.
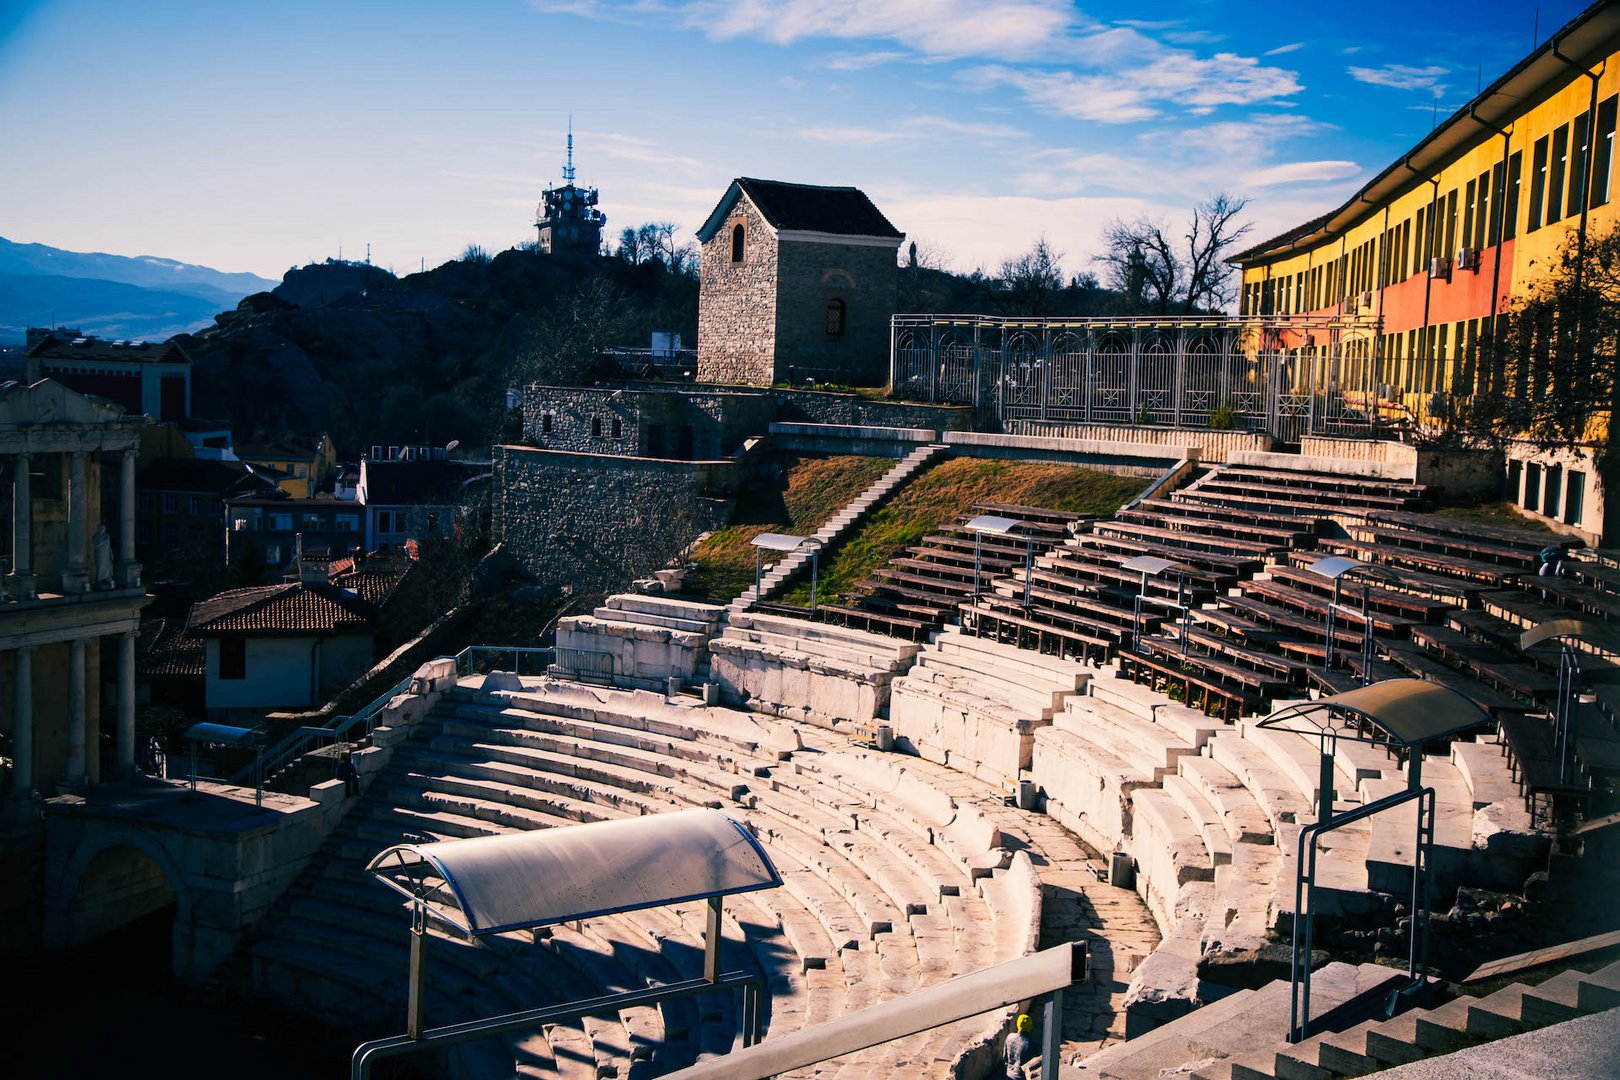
(489, 884)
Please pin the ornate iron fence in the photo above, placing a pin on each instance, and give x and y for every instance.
(1287, 376)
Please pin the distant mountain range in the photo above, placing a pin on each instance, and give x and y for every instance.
(112, 296)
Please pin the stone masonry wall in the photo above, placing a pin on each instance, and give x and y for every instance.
(597, 522)
(737, 303)
(822, 407)
(689, 424)
(809, 276)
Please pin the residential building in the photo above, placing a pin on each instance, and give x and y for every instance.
(72, 589)
(140, 376)
(285, 646)
(798, 283)
(299, 465)
(415, 500)
(266, 529)
(180, 508)
(1433, 251)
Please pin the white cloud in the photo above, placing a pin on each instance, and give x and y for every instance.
(861, 61)
(1399, 76)
(911, 129)
(1195, 84)
(641, 151)
(1300, 172)
(954, 28)
(1292, 46)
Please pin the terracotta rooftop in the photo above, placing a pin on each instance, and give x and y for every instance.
(166, 650)
(292, 608)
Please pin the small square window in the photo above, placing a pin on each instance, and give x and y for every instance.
(232, 658)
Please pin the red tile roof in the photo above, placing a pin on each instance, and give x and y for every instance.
(165, 650)
(290, 609)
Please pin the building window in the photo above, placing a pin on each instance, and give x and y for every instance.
(433, 522)
(171, 504)
(1574, 495)
(143, 533)
(1510, 213)
(545, 423)
(233, 658)
(596, 427)
(281, 523)
(348, 522)
(196, 504)
(737, 243)
(272, 554)
(314, 522)
(618, 428)
(385, 521)
(145, 501)
(1603, 153)
(1555, 175)
(1538, 184)
(835, 318)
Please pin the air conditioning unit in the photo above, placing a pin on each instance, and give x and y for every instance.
(1468, 259)
(1440, 267)
(1367, 300)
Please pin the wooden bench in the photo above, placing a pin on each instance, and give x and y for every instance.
(1531, 542)
(1326, 481)
(976, 616)
(1125, 547)
(1486, 663)
(1284, 619)
(1496, 575)
(1284, 668)
(1218, 698)
(1420, 665)
(1334, 502)
(1263, 683)
(1445, 544)
(1190, 523)
(1188, 503)
(1417, 608)
(1307, 603)
(1533, 762)
(1184, 538)
(877, 622)
(1440, 586)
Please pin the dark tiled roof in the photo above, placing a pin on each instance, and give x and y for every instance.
(286, 448)
(843, 211)
(165, 650)
(269, 610)
(199, 475)
(373, 580)
(419, 483)
(67, 348)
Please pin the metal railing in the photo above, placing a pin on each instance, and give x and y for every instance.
(482, 659)
(300, 741)
(1294, 376)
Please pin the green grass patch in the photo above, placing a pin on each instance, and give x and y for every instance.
(791, 493)
(1501, 514)
(951, 488)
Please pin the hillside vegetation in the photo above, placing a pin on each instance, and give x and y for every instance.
(952, 488)
(794, 493)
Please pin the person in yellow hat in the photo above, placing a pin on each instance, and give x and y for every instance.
(1020, 1047)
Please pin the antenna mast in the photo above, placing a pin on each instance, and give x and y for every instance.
(568, 169)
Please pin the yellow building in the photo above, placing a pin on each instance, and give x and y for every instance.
(1433, 250)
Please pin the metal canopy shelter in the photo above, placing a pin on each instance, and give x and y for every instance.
(517, 881)
(1567, 634)
(1402, 714)
(997, 525)
(1152, 566)
(1336, 568)
(226, 735)
(787, 543)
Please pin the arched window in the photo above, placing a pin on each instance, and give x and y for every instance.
(737, 243)
(835, 317)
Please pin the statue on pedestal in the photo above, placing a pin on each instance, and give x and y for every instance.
(102, 567)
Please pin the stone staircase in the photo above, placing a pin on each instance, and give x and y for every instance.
(842, 523)
(1376, 1044)
(639, 641)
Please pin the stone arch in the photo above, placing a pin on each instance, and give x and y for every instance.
(837, 278)
(112, 880)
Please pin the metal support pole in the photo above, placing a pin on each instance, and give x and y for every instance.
(1368, 649)
(711, 941)
(1324, 782)
(1136, 616)
(416, 1000)
(1327, 646)
(1186, 615)
(759, 559)
(1029, 566)
(1052, 1035)
(815, 572)
(977, 537)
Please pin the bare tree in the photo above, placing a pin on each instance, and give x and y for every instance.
(630, 249)
(1032, 280)
(567, 336)
(1160, 274)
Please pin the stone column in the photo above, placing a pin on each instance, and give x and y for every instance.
(22, 720)
(22, 522)
(76, 776)
(126, 704)
(129, 571)
(76, 579)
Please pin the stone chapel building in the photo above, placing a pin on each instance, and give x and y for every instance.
(798, 283)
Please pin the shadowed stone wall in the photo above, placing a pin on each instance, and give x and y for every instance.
(737, 303)
(596, 522)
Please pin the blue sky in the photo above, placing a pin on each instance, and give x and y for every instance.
(256, 136)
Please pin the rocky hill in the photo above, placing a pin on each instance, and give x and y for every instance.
(371, 358)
